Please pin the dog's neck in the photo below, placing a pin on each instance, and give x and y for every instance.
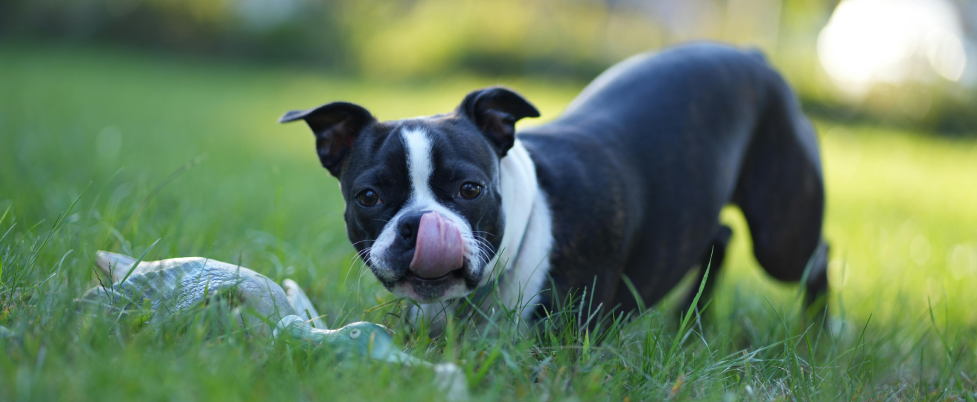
(517, 176)
(525, 250)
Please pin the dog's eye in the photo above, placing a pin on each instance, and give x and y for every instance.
(470, 191)
(368, 198)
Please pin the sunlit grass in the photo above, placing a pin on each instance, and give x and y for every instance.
(189, 152)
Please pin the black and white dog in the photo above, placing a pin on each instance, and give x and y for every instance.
(626, 185)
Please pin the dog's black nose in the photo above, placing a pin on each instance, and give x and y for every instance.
(406, 230)
(407, 227)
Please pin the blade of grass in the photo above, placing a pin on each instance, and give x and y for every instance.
(858, 342)
(383, 305)
(685, 320)
(54, 229)
(7, 232)
(5, 212)
(634, 293)
(139, 260)
(478, 376)
(152, 193)
(946, 347)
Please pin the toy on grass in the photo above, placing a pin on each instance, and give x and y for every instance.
(168, 287)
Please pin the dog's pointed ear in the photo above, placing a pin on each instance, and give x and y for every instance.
(336, 126)
(495, 111)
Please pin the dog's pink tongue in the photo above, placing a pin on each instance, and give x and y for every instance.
(439, 249)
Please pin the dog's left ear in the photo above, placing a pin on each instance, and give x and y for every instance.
(336, 126)
(495, 111)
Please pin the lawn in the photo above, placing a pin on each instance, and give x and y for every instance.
(188, 152)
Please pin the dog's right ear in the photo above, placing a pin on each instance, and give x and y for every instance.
(336, 126)
(495, 111)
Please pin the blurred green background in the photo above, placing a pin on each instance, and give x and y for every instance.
(166, 110)
(900, 62)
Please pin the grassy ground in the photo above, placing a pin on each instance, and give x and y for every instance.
(188, 153)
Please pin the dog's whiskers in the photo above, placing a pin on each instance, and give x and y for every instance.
(481, 254)
(361, 241)
(360, 254)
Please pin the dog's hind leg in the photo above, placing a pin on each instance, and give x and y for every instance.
(816, 283)
(781, 193)
(713, 258)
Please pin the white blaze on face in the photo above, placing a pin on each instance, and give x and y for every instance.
(420, 167)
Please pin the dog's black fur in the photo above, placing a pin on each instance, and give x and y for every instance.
(635, 171)
(647, 158)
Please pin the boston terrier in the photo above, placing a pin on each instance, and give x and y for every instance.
(616, 200)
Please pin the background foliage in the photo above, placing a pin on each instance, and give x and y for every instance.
(571, 40)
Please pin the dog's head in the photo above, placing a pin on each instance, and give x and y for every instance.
(423, 198)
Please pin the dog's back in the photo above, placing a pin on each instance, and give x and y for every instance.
(639, 166)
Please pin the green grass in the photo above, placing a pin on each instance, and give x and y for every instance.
(188, 153)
